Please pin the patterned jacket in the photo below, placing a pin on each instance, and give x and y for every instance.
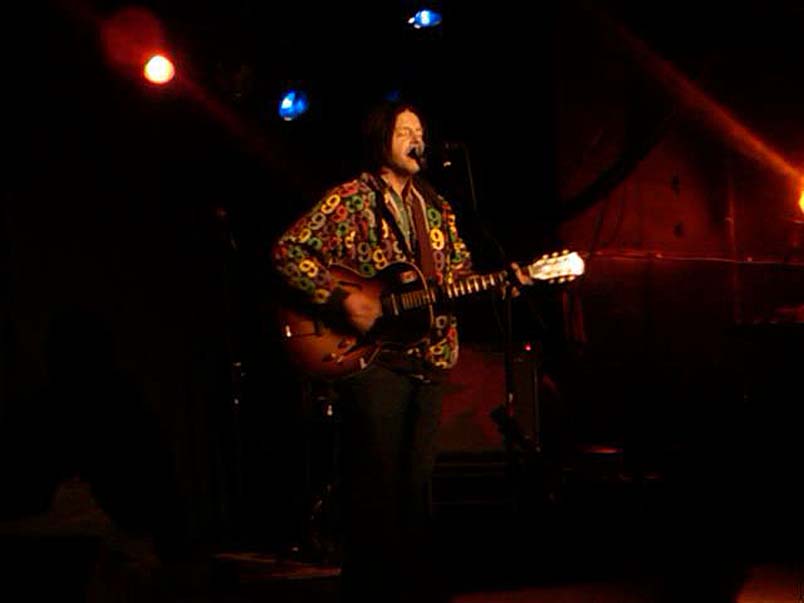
(351, 225)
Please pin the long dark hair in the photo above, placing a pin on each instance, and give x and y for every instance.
(378, 130)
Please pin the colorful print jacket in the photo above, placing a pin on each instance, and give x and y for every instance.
(350, 226)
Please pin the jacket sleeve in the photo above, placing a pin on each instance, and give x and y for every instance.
(304, 253)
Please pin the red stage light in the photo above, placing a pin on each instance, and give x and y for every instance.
(159, 69)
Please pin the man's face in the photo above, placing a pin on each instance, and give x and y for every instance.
(407, 135)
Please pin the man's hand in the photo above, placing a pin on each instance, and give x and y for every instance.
(521, 278)
(362, 310)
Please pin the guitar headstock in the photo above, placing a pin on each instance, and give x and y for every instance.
(556, 267)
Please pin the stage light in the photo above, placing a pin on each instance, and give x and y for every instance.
(425, 18)
(159, 69)
(801, 200)
(293, 104)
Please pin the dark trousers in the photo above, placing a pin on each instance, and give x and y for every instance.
(389, 430)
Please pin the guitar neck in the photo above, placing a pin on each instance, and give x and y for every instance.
(463, 287)
(555, 268)
(476, 283)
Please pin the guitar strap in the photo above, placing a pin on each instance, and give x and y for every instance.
(416, 206)
(384, 212)
(425, 250)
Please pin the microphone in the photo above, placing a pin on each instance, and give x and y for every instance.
(417, 152)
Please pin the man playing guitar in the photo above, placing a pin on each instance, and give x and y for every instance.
(386, 222)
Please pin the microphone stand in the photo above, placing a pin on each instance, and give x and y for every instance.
(533, 480)
(503, 415)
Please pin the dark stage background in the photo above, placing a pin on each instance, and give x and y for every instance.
(136, 346)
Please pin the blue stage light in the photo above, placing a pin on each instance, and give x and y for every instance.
(425, 18)
(293, 104)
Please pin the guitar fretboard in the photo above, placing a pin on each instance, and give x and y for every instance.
(475, 284)
(557, 267)
(460, 288)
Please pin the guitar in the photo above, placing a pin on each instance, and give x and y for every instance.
(330, 351)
